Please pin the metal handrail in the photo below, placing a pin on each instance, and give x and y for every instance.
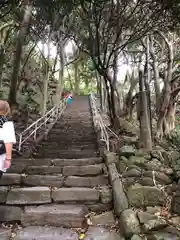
(52, 115)
(98, 122)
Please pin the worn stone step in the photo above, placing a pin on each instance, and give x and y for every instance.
(43, 180)
(77, 162)
(27, 196)
(88, 170)
(76, 194)
(74, 181)
(69, 216)
(46, 233)
(68, 154)
(44, 170)
(19, 164)
(10, 179)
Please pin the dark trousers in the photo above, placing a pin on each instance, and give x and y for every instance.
(1, 173)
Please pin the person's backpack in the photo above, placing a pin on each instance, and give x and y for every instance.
(2, 145)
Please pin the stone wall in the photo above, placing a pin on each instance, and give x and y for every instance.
(146, 195)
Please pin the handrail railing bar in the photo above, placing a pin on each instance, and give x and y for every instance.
(53, 114)
(37, 121)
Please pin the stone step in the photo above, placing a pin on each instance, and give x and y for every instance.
(69, 147)
(74, 181)
(77, 162)
(67, 154)
(90, 170)
(44, 195)
(69, 216)
(76, 194)
(45, 233)
(23, 162)
(43, 170)
(53, 180)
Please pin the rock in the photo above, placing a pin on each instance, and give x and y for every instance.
(119, 197)
(9, 213)
(160, 235)
(43, 180)
(139, 161)
(105, 195)
(46, 233)
(5, 234)
(159, 176)
(75, 181)
(99, 207)
(144, 217)
(153, 210)
(69, 216)
(145, 196)
(146, 181)
(3, 194)
(34, 195)
(132, 173)
(175, 221)
(113, 173)
(106, 218)
(127, 151)
(127, 182)
(154, 164)
(175, 206)
(128, 127)
(129, 140)
(137, 237)
(100, 233)
(158, 154)
(75, 194)
(129, 223)
(121, 166)
(110, 157)
(143, 153)
(155, 224)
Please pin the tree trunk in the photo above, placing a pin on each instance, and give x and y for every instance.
(145, 132)
(61, 73)
(46, 79)
(1, 66)
(20, 40)
(156, 74)
(76, 78)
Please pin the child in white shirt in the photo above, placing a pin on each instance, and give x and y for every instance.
(7, 137)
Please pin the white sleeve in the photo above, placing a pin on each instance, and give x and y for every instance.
(8, 132)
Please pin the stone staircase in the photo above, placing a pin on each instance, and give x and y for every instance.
(63, 181)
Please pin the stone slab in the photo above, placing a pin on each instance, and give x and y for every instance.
(75, 194)
(43, 180)
(75, 181)
(89, 170)
(100, 233)
(69, 216)
(31, 195)
(76, 162)
(5, 234)
(44, 170)
(46, 233)
(10, 179)
(9, 213)
(3, 194)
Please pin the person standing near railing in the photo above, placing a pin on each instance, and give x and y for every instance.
(7, 137)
